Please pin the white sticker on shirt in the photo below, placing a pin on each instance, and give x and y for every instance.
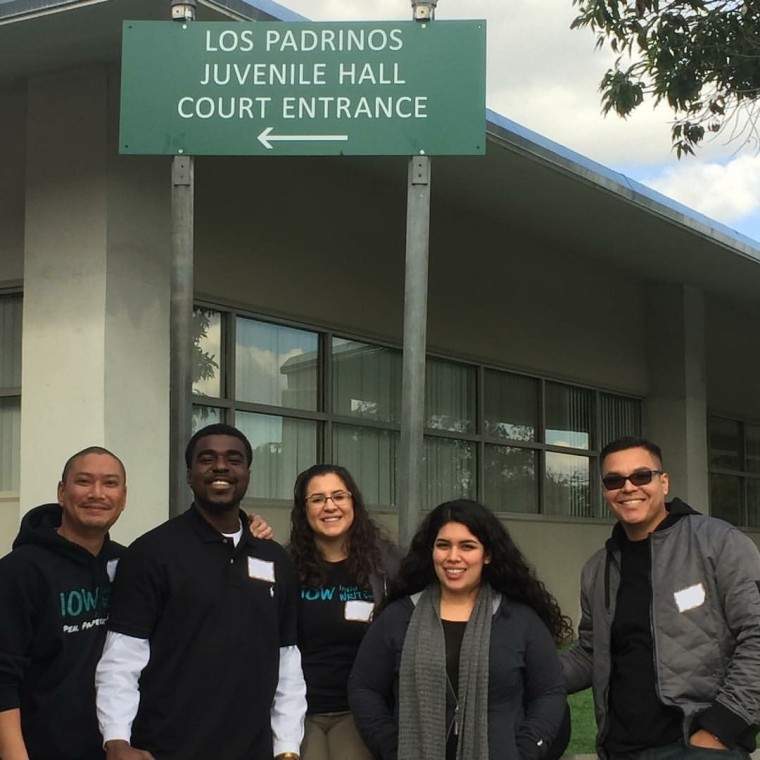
(111, 569)
(690, 598)
(260, 569)
(358, 610)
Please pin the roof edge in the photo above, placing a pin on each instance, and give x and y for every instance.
(514, 136)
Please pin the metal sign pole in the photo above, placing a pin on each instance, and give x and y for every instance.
(180, 384)
(415, 331)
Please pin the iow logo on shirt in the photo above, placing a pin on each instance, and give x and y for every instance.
(327, 593)
(83, 608)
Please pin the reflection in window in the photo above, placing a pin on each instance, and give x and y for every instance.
(449, 470)
(566, 485)
(275, 365)
(510, 479)
(371, 456)
(10, 391)
(511, 406)
(205, 415)
(735, 471)
(10, 341)
(449, 396)
(725, 444)
(568, 416)
(752, 447)
(618, 416)
(282, 447)
(10, 443)
(366, 381)
(753, 502)
(207, 352)
(726, 500)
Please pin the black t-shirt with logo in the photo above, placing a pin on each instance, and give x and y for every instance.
(332, 622)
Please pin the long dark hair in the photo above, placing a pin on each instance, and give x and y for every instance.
(361, 541)
(508, 572)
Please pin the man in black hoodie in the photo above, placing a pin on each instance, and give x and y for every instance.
(669, 636)
(54, 599)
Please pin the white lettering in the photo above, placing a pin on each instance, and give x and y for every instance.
(229, 41)
(335, 40)
(342, 107)
(229, 107)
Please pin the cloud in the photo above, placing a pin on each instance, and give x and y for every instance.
(728, 192)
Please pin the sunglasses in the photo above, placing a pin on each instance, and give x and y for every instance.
(638, 478)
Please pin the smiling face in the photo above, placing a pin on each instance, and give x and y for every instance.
(219, 473)
(329, 521)
(92, 496)
(640, 509)
(458, 559)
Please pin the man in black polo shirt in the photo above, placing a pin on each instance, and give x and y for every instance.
(204, 618)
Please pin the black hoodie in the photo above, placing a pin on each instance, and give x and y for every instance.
(54, 600)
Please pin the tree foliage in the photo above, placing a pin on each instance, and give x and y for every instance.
(702, 57)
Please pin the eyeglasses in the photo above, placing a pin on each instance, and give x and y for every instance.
(638, 478)
(339, 498)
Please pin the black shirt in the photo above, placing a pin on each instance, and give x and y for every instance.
(216, 616)
(332, 621)
(638, 720)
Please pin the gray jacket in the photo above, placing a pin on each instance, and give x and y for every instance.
(705, 616)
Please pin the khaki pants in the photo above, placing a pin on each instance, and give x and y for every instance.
(333, 736)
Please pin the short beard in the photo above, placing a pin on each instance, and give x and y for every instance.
(217, 507)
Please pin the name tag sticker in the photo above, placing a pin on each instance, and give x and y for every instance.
(111, 568)
(358, 610)
(260, 569)
(690, 598)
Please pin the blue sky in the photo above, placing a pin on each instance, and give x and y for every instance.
(546, 77)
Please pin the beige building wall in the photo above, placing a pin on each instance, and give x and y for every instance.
(733, 358)
(12, 160)
(96, 243)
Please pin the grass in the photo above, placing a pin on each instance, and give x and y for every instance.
(583, 735)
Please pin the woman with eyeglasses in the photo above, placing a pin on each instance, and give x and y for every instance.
(344, 564)
(462, 663)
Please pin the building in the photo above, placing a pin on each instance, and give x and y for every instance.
(567, 305)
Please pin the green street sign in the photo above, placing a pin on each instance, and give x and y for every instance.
(295, 89)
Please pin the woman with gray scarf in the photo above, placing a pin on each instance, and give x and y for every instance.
(462, 662)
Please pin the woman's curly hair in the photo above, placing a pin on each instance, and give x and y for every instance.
(361, 542)
(508, 572)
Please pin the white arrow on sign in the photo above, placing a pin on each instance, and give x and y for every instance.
(266, 138)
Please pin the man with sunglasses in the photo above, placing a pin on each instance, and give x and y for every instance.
(669, 635)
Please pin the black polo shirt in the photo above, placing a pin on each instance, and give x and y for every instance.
(216, 616)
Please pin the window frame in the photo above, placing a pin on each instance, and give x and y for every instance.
(326, 418)
(743, 474)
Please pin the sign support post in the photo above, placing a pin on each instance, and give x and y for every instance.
(180, 363)
(415, 331)
(415, 341)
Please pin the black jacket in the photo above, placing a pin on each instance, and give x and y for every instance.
(526, 703)
(54, 600)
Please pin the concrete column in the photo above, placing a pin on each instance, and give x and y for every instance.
(95, 331)
(675, 412)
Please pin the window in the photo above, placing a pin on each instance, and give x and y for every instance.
(10, 391)
(520, 444)
(735, 471)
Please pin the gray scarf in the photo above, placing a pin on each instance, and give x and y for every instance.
(423, 687)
